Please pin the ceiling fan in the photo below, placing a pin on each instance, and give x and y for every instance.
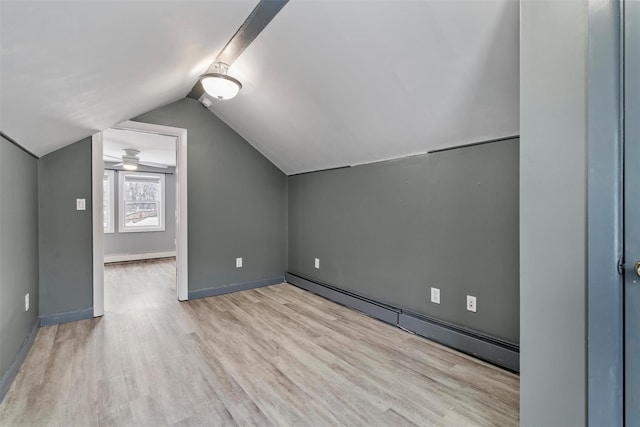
(130, 160)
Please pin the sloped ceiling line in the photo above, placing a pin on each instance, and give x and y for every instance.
(257, 21)
(14, 142)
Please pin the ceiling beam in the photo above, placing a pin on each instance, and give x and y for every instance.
(257, 21)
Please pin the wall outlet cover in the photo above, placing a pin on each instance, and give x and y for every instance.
(317, 263)
(81, 204)
(471, 303)
(26, 302)
(435, 295)
(238, 262)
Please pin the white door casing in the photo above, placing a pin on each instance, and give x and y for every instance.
(182, 287)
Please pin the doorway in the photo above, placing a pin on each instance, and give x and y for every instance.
(145, 216)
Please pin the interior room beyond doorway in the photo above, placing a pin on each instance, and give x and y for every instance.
(139, 216)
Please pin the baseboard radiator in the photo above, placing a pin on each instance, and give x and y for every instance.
(485, 347)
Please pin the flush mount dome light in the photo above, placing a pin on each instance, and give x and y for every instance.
(218, 84)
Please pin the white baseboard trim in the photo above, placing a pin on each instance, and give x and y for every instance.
(137, 257)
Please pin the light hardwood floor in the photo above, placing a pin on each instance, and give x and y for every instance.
(271, 356)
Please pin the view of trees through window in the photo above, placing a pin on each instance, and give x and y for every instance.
(142, 201)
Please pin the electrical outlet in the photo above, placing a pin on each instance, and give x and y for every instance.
(317, 263)
(26, 302)
(238, 262)
(81, 204)
(435, 295)
(471, 303)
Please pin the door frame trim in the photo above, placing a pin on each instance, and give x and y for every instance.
(97, 173)
(182, 255)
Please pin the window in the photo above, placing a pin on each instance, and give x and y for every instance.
(141, 202)
(108, 208)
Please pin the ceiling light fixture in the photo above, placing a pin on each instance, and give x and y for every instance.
(218, 84)
(130, 159)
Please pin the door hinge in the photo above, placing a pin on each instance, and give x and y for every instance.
(620, 266)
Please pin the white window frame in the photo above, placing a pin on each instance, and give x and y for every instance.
(122, 226)
(111, 210)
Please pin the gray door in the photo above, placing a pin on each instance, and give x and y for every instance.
(632, 211)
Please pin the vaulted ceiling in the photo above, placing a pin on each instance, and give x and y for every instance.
(326, 84)
(71, 68)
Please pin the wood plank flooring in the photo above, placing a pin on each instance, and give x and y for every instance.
(270, 356)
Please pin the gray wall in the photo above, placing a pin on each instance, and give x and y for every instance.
(237, 201)
(18, 248)
(66, 282)
(148, 241)
(391, 230)
(553, 58)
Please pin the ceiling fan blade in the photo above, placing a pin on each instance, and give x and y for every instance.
(153, 164)
(134, 156)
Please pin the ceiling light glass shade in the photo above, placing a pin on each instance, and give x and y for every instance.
(129, 163)
(218, 84)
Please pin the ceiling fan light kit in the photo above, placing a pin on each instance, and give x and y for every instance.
(130, 160)
(220, 85)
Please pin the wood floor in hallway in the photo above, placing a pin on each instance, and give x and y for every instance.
(271, 356)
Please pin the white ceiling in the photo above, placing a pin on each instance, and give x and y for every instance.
(330, 84)
(71, 68)
(327, 84)
(153, 147)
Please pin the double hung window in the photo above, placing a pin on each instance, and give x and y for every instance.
(141, 200)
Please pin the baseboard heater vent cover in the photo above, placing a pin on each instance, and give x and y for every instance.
(372, 308)
(493, 350)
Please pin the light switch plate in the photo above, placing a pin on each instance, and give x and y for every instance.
(81, 204)
(238, 262)
(435, 295)
(317, 263)
(26, 302)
